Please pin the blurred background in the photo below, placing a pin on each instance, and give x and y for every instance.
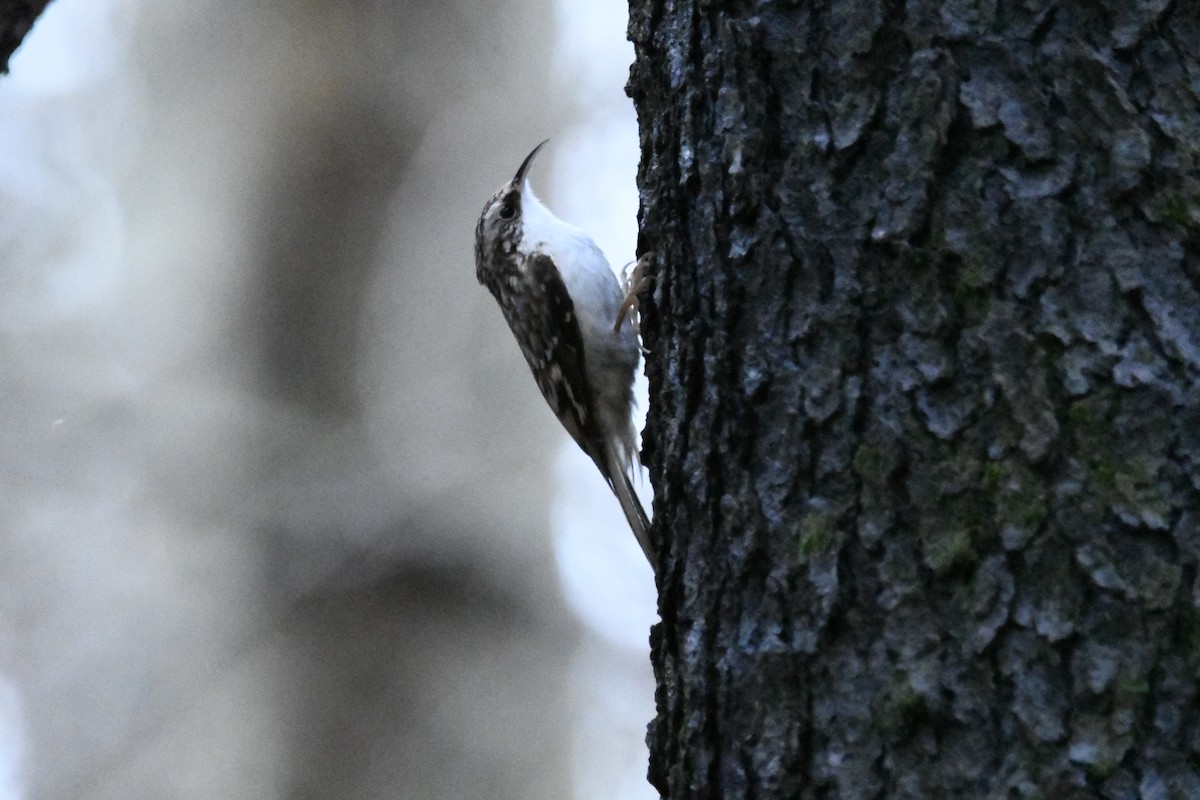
(282, 514)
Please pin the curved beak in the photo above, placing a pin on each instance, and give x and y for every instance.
(520, 176)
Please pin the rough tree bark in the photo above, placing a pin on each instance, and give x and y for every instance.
(16, 18)
(925, 418)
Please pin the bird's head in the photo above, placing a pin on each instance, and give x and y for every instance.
(499, 230)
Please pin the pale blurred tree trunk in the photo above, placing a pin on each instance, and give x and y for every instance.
(925, 416)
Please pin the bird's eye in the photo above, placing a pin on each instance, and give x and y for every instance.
(509, 209)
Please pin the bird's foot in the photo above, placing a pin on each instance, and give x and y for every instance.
(633, 283)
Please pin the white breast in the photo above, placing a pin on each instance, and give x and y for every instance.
(585, 271)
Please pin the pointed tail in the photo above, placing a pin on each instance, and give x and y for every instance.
(636, 515)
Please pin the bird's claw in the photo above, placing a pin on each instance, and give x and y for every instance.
(633, 283)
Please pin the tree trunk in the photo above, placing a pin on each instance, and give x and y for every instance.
(925, 396)
(16, 18)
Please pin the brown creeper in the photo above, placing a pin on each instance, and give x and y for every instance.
(562, 301)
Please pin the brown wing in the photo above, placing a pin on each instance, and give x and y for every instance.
(542, 316)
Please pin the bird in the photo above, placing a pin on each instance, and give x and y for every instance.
(565, 307)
